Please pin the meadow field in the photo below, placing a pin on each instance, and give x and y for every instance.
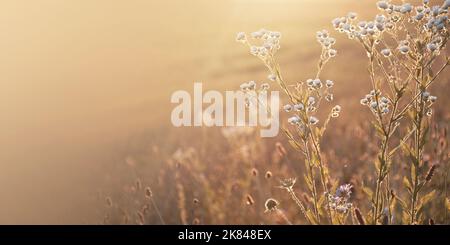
(87, 138)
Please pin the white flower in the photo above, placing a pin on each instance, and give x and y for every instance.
(310, 82)
(254, 50)
(431, 47)
(336, 22)
(329, 83)
(337, 108)
(380, 18)
(272, 77)
(382, 4)
(425, 95)
(419, 16)
(332, 52)
(313, 120)
(251, 85)
(386, 52)
(244, 87)
(364, 101)
(432, 98)
(240, 37)
(299, 107)
(406, 8)
(352, 15)
(374, 105)
(329, 97)
(317, 83)
(384, 100)
(257, 34)
(404, 49)
(287, 108)
(265, 86)
(294, 120)
(311, 100)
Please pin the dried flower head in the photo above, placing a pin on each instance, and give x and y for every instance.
(271, 205)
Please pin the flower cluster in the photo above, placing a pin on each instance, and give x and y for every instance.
(323, 37)
(270, 42)
(376, 102)
(430, 19)
(429, 100)
(339, 202)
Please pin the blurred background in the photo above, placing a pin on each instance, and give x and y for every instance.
(85, 85)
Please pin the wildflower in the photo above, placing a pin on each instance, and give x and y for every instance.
(287, 108)
(299, 107)
(373, 105)
(384, 100)
(317, 83)
(272, 77)
(332, 52)
(425, 95)
(251, 85)
(313, 120)
(265, 86)
(386, 52)
(294, 120)
(271, 205)
(404, 49)
(340, 200)
(352, 15)
(240, 37)
(287, 183)
(329, 83)
(431, 47)
(329, 97)
(311, 100)
(406, 8)
(337, 108)
(364, 101)
(432, 98)
(382, 5)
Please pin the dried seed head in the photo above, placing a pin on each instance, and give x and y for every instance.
(196, 201)
(430, 173)
(271, 204)
(288, 183)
